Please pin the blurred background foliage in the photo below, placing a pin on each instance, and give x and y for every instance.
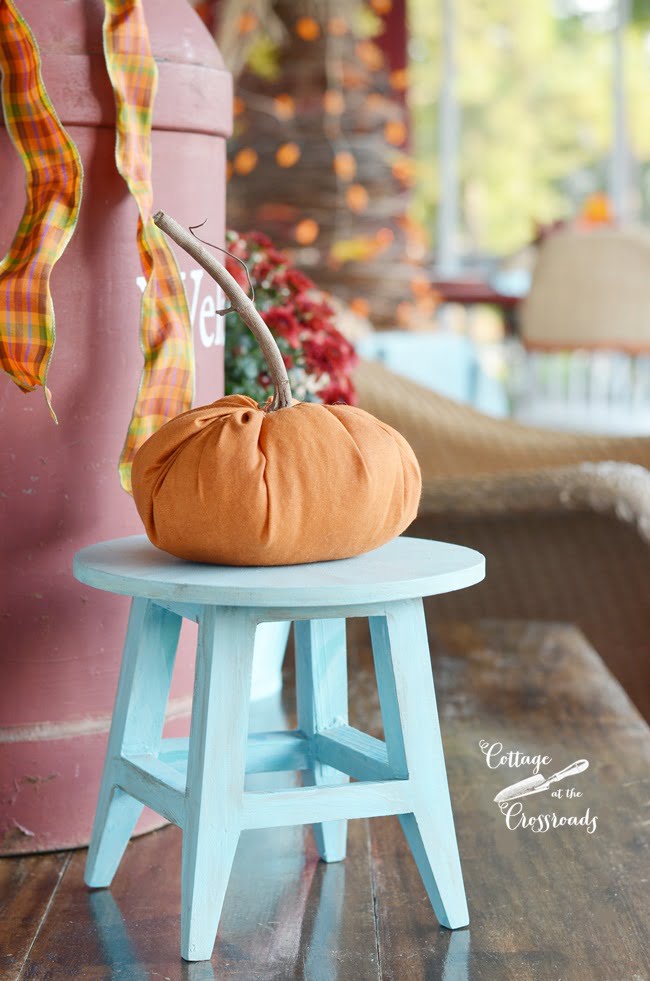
(534, 86)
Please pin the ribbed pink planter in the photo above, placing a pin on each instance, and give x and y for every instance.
(60, 643)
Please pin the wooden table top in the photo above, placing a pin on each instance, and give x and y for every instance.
(566, 903)
(470, 292)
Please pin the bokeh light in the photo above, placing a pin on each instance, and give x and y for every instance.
(287, 155)
(245, 161)
(337, 26)
(360, 306)
(370, 55)
(307, 28)
(333, 102)
(356, 197)
(284, 106)
(399, 79)
(247, 22)
(306, 231)
(345, 166)
(395, 132)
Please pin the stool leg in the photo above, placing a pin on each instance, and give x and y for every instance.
(136, 727)
(215, 772)
(322, 702)
(405, 683)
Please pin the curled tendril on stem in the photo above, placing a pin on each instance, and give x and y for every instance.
(251, 288)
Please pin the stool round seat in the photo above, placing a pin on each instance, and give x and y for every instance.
(405, 568)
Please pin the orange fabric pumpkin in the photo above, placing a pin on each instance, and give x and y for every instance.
(235, 484)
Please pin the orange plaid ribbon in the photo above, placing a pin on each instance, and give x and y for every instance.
(166, 386)
(54, 177)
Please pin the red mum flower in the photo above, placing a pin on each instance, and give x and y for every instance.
(329, 353)
(339, 389)
(276, 257)
(296, 280)
(237, 272)
(260, 239)
(262, 271)
(236, 245)
(283, 322)
(310, 306)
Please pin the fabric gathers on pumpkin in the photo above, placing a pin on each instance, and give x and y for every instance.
(231, 484)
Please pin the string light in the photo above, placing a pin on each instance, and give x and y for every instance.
(376, 102)
(247, 22)
(420, 286)
(399, 79)
(356, 197)
(395, 132)
(245, 161)
(385, 237)
(404, 170)
(306, 231)
(345, 166)
(370, 55)
(333, 102)
(287, 155)
(307, 28)
(284, 106)
(360, 306)
(337, 26)
(364, 92)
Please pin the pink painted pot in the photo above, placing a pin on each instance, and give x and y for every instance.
(60, 643)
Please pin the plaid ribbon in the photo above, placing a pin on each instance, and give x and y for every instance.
(54, 182)
(54, 179)
(167, 382)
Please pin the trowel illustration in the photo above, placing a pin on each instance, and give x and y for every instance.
(537, 783)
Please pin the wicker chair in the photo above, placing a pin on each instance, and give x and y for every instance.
(585, 328)
(563, 519)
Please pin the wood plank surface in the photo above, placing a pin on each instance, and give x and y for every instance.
(287, 915)
(562, 904)
(27, 887)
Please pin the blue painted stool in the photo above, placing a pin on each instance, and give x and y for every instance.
(198, 783)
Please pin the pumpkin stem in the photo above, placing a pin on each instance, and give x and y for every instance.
(240, 302)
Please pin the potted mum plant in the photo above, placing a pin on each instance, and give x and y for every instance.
(318, 358)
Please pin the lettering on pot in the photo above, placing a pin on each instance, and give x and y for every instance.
(203, 309)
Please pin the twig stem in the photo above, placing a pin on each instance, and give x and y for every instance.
(240, 302)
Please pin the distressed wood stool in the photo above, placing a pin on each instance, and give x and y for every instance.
(198, 783)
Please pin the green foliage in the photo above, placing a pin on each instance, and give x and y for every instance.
(641, 12)
(243, 359)
(264, 58)
(535, 95)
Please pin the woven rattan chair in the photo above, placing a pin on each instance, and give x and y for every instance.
(585, 330)
(563, 519)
